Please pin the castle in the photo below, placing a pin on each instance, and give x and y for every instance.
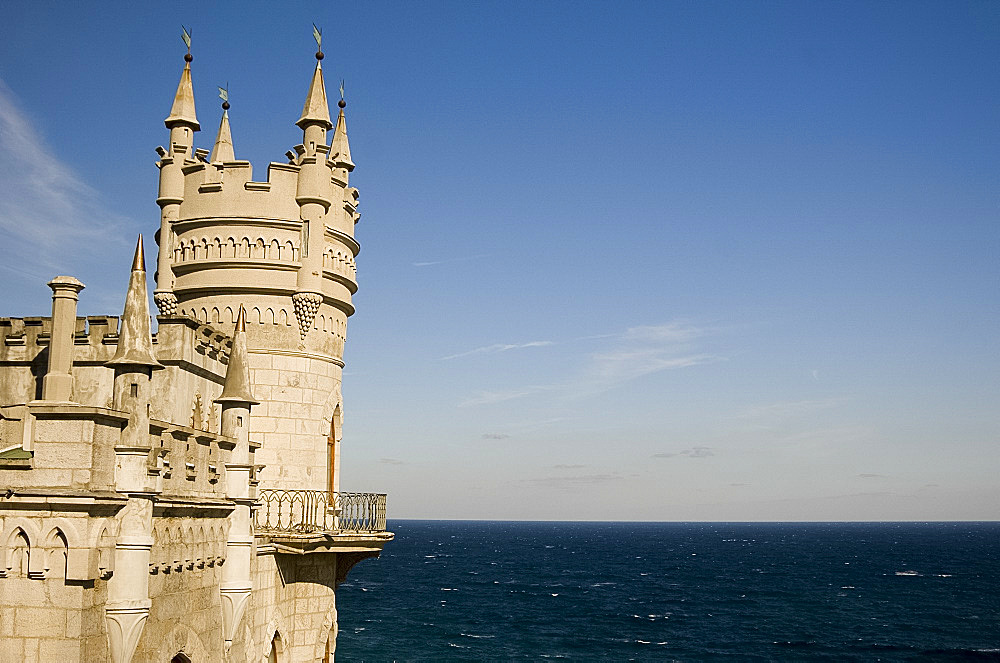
(175, 496)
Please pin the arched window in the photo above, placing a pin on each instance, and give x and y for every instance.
(333, 449)
(272, 656)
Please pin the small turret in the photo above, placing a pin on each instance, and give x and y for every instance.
(313, 195)
(134, 362)
(236, 400)
(182, 122)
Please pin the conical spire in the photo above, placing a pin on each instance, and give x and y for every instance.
(135, 342)
(237, 386)
(316, 109)
(339, 145)
(182, 112)
(223, 150)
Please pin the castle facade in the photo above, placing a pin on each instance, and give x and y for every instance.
(174, 496)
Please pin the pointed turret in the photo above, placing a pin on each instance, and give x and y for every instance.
(135, 341)
(223, 149)
(182, 112)
(316, 110)
(236, 389)
(339, 145)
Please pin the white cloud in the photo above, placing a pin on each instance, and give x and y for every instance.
(491, 397)
(498, 347)
(643, 350)
(633, 353)
(431, 263)
(47, 212)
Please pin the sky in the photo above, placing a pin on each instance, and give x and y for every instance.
(620, 261)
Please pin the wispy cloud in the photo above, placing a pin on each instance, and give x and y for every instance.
(491, 397)
(391, 461)
(563, 466)
(644, 350)
(693, 452)
(867, 475)
(498, 347)
(445, 261)
(47, 212)
(632, 353)
(495, 436)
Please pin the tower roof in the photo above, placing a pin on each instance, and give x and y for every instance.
(182, 112)
(316, 109)
(135, 341)
(236, 389)
(223, 149)
(339, 145)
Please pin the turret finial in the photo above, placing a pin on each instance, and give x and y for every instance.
(241, 320)
(342, 103)
(139, 260)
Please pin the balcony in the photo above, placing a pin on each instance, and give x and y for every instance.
(317, 512)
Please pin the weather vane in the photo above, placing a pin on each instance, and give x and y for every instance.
(318, 36)
(224, 95)
(341, 89)
(186, 36)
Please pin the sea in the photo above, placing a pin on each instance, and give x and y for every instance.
(629, 591)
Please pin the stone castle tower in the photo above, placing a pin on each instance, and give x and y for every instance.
(174, 496)
(285, 249)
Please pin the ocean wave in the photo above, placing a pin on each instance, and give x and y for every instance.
(473, 635)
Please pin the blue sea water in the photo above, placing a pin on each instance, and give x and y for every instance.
(496, 591)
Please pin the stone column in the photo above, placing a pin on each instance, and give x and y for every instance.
(57, 385)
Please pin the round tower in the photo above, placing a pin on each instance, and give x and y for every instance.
(284, 248)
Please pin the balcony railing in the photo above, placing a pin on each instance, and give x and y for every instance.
(317, 511)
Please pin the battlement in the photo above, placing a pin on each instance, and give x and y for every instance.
(22, 339)
(228, 190)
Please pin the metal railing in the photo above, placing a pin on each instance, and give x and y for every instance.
(308, 511)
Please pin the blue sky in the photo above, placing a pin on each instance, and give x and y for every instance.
(631, 261)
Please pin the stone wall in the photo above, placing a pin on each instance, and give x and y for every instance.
(294, 600)
(186, 564)
(298, 395)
